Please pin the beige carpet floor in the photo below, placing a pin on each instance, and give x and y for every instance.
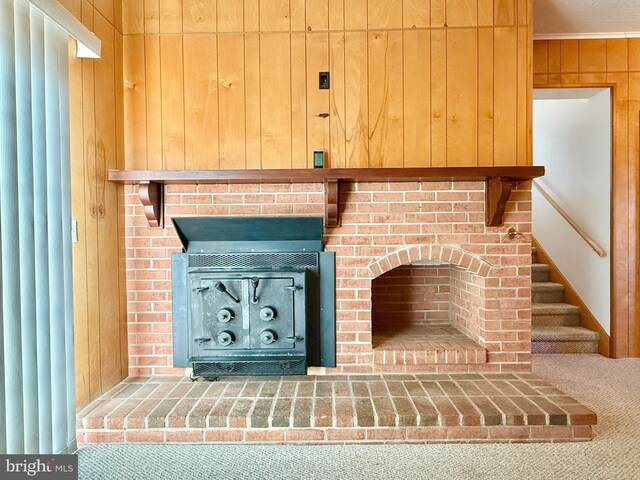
(610, 387)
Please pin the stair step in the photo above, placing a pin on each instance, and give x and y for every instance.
(563, 334)
(564, 340)
(554, 315)
(539, 272)
(547, 292)
(534, 254)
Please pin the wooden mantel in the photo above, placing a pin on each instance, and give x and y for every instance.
(499, 182)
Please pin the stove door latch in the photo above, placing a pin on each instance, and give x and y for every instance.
(294, 288)
(202, 340)
(294, 339)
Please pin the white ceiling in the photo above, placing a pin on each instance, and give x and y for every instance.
(586, 18)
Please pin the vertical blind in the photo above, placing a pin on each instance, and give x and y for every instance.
(37, 397)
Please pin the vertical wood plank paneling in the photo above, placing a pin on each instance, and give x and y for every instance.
(107, 205)
(252, 101)
(438, 98)
(133, 15)
(91, 214)
(79, 250)
(172, 97)
(231, 99)
(355, 14)
(230, 15)
(593, 55)
(337, 155)
(523, 133)
(153, 89)
(554, 56)
(135, 118)
(541, 57)
(384, 14)
(505, 95)
(504, 12)
(485, 97)
(317, 100)
(151, 16)
(357, 100)
(385, 99)
(634, 54)
(298, 15)
(438, 13)
(298, 101)
(617, 55)
(201, 102)
(199, 16)
(251, 15)
(336, 14)
(416, 13)
(569, 56)
(485, 13)
(417, 98)
(274, 16)
(170, 16)
(275, 101)
(462, 97)
(317, 13)
(462, 13)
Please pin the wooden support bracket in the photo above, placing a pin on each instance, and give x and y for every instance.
(152, 198)
(331, 203)
(497, 193)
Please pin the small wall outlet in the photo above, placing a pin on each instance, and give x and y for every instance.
(318, 159)
(324, 80)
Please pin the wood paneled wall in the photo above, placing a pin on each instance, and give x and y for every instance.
(234, 83)
(611, 63)
(97, 144)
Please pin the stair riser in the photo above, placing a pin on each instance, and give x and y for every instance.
(534, 258)
(564, 347)
(555, 320)
(541, 276)
(548, 297)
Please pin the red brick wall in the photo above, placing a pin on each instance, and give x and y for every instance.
(384, 225)
(411, 295)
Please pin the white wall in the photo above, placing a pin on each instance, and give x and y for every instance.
(572, 139)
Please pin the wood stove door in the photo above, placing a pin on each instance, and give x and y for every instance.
(271, 313)
(219, 320)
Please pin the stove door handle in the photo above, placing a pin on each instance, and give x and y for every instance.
(294, 288)
(294, 339)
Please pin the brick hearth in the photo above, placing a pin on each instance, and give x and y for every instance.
(337, 409)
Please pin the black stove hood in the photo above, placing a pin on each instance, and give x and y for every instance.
(249, 234)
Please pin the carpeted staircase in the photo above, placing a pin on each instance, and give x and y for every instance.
(555, 323)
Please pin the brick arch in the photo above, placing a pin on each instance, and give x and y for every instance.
(449, 254)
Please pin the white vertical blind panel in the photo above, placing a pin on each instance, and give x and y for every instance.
(10, 236)
(65, 177)
(25, 211)
(56, 248)
(37, 405)
(41, 253)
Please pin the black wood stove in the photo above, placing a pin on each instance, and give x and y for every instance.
(252, 296)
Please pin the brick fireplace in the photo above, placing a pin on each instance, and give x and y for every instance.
(433, 319)
(422, 284)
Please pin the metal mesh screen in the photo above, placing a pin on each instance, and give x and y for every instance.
(257, 368)
(253, 261)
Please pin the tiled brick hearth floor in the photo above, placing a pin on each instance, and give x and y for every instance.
(342, 409)
(426, 345)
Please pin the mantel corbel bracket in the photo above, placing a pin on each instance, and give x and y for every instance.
(497, 192)
(331, 203)
(152, 198)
